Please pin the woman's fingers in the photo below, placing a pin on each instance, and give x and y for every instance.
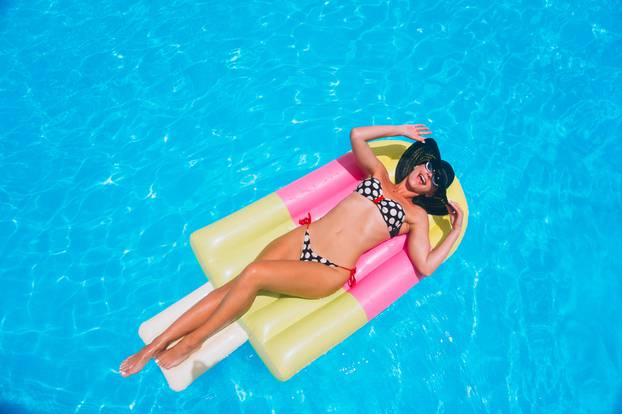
(416, 131)
(455, 208)
(417, 126)
(456, 214)
(420, 129)
(450, 208)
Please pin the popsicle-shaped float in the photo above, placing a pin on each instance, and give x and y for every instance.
(288, 333)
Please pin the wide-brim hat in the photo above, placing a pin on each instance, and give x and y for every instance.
(420, 153)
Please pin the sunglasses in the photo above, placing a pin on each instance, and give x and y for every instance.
(436, 176)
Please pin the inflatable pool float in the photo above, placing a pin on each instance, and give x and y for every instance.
(287, 332)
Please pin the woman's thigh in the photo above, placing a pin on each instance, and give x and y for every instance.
(285, 247)
(296, 278)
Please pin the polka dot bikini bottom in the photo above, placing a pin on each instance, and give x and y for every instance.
(307, 254)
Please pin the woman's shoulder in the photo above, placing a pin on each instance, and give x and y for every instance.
(415, 213)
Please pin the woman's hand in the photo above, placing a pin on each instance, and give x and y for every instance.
(415, 131)
(455, 215)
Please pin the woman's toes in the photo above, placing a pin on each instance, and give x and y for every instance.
(133, 364)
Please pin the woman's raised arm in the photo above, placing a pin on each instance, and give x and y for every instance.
(365, 156)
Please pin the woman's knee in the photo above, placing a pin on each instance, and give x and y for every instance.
(251, 275)
(257, 275)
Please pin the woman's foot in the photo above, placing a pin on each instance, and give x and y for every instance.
(135, 363)
(174, 356)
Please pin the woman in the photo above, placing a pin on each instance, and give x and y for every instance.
(377, 210)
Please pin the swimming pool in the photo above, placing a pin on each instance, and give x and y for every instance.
(125, 127)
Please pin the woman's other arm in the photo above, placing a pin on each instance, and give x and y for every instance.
(426, 260)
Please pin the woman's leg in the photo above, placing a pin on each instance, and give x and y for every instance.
(187, 322)
(290, 277)
(198, 313)
(283, 247)
(192, 318)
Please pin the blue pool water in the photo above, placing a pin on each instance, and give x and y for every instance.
(125, 126)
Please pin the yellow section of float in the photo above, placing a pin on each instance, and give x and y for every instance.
(297, 344)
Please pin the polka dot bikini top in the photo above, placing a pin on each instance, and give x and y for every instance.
(392, 212)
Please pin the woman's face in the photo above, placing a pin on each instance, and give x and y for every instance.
(420, 181)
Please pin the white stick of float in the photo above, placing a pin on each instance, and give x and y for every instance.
(214, 349)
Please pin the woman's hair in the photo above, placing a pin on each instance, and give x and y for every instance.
(432, 205)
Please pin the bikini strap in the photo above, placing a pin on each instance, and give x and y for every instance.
(351, 279)
(306, 220)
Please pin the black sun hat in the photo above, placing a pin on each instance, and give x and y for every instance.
(420, 153)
